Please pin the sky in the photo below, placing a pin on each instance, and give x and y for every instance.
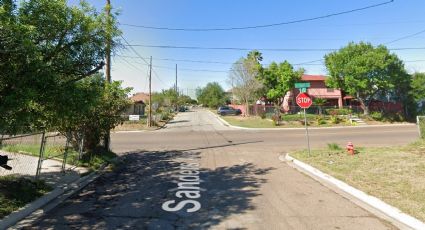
(400, 20)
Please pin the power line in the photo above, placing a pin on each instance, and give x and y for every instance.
(140, 56)
(263, 26)
(405, 37)
(260, 49)
(228, 48)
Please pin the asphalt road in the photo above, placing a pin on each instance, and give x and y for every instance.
(235, 179)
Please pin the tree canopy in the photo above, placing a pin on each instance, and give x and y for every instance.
(243, 77)
(212, 95)
(418, 90)
(363, 71)
(278, 79)
(45, 47)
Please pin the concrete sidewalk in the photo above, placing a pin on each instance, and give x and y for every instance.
(26, 165)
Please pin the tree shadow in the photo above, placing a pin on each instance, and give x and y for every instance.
(131, 196)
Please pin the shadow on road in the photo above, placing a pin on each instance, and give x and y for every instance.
(178, 121)
(131, 196)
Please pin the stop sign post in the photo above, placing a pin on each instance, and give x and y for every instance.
(304, 101)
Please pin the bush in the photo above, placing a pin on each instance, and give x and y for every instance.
(335, 120)
(320, 120)
(262, 114)
(335, 112)
(377, 116)
(422, 126)
(334, 147)
(276, 119)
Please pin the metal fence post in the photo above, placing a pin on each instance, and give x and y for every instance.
(41, 155)
(80, 152)
(65, 154)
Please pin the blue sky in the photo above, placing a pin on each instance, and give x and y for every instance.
(377, 25)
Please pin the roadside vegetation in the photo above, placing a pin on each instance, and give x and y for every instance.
(393, 174)
(353, 69)
(165, 105)
(16, 192)
(91, 160)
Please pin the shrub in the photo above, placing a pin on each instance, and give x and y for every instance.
(422, 126)
(335, 112)
(276, 119)
(377, 116)
(320, 120)
(262, 114)
(334, 146)
(335, 119)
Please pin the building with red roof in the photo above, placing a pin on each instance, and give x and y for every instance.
(317, 89)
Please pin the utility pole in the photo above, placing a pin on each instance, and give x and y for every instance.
(107, 138)
(108, 41)
(150, 94)
(177, 92)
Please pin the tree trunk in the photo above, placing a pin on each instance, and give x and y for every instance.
(247, 108)
(364, 106)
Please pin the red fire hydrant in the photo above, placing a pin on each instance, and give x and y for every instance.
(350, 148)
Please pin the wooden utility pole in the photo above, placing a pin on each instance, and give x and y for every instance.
(107, 137)
(150, 94)
(177, 92)
(108, 41)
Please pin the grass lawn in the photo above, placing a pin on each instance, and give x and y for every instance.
(396, 175)
(89, 160)
(249, 122)
(17, 192)
(288, 121)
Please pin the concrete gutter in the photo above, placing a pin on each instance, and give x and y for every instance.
(225, 123)
(396, 216)
(25, 216)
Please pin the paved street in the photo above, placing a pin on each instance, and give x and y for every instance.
(209, 176)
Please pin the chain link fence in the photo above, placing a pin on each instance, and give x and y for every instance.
(49, 156)
(421, 126)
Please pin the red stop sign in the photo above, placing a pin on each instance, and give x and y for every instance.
(304, 101)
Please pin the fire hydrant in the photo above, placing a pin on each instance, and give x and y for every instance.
(350, 148)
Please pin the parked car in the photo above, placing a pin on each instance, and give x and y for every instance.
(227, 110)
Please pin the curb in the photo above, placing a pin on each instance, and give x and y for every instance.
(390, 211)
(47, 202)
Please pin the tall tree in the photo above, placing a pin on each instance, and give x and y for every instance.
(278, 79)
(45, 47)
(212, 95)
(418, 90)
(363, 71)
(243, 78)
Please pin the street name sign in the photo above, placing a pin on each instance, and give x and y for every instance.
(300, 85)
(304, 101)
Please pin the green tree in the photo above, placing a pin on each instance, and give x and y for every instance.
(418, 90)
(45, 47)
(212, 95)
(243, 78)
(364, 71)
(90, 107)
(319, 102)
(278, 79)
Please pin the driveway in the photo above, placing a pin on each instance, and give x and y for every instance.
(235, 181)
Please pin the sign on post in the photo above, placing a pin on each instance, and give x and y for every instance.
(300, 85)
(134, 117)
(304, 101)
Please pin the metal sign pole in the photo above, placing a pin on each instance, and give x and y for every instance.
(306, 132)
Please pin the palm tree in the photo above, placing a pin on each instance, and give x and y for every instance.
(319, 102)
